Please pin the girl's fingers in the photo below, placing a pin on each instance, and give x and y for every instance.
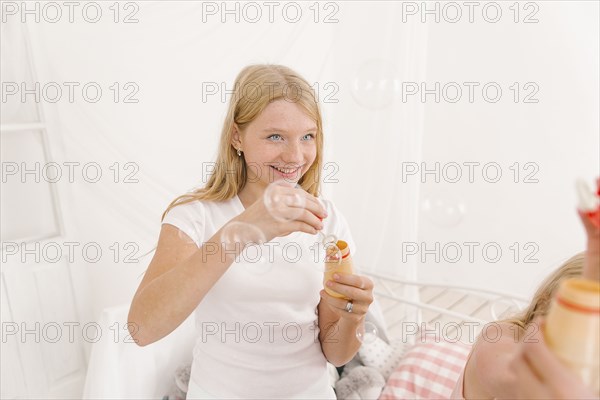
(358, 281)
(559, 381)
(310, 219)
(352, 292)
(299, 226)
(590, 228)
(301, 215)
(309, 201)
(314, 205)
(294, 199)
(357, 307)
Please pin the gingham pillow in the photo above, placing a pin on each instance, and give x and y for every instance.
(429, 370)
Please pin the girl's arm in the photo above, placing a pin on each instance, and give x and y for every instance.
(338, 328)
(178, 277)
(181, 274)
(487, 373)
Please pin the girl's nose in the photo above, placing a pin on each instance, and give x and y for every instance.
(293, 154)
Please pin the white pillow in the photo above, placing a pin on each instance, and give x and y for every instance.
(382, 356)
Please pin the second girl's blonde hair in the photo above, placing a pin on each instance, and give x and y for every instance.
(255, 87)
(542, 299)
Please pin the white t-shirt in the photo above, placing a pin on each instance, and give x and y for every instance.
(258, 326)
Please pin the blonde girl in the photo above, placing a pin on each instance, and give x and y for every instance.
(266, 329)
(491, 370)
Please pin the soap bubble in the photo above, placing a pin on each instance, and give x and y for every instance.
(283, 201)
(376, 84)
(444, 211)
(244, 242)
(367, 334)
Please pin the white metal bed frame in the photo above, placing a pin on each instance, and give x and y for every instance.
(440, 303)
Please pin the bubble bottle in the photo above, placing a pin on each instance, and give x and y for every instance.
(337, 260)
(572, 328)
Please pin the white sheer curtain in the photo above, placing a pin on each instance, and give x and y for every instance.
(168, 62)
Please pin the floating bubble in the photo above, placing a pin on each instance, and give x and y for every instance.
(283, 201)
(367, 333)
(376, 84)
(243, 243)
(444, 211)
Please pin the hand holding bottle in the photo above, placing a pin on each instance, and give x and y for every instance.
(541, 375)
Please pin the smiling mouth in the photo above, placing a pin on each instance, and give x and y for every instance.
(287, 171)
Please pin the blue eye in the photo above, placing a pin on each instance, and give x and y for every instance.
(275, 136)
(308, 136)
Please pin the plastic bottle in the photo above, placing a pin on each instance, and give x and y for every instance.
(337, 263)
(572, 328)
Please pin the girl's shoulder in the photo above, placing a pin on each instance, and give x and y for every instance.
(204, 208)
(200, 218)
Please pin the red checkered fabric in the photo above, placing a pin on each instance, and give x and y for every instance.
(428, 370)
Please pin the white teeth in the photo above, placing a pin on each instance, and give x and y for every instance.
(286, 170)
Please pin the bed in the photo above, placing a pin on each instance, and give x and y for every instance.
(119, 369)
(441, 303)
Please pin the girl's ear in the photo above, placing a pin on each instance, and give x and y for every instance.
(236, 139)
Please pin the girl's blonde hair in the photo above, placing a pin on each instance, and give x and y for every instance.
(542, 299)
(255, 87)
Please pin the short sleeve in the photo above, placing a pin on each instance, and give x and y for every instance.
(190, 219)
(336, 224)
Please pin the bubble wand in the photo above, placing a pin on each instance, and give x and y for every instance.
(589, 202)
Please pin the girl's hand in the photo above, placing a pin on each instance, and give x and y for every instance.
(289, 210)
(592, 257)
(358, 288)
(541, 375)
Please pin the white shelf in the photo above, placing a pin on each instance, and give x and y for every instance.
(30, 126)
